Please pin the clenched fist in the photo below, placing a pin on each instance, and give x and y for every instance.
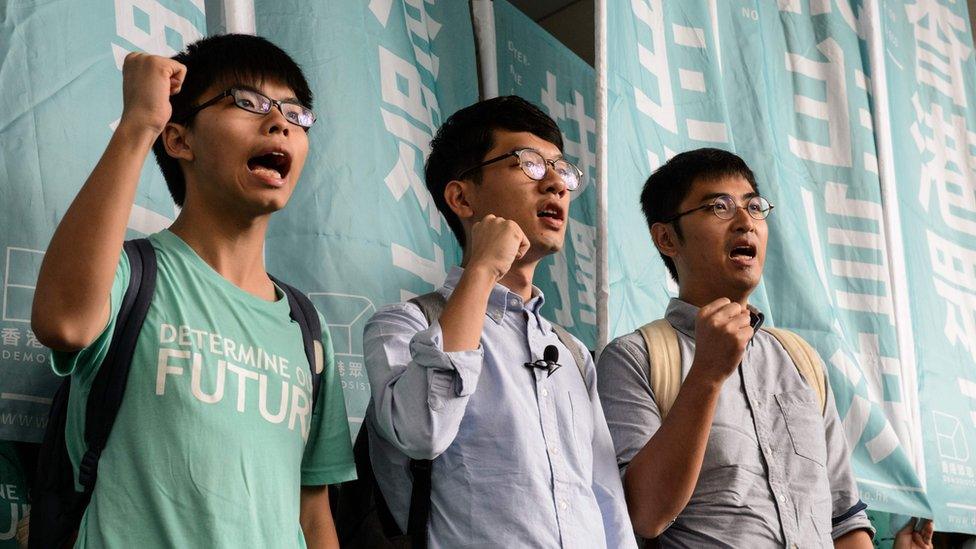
(147, 83)
(722, 331)
(494, 244)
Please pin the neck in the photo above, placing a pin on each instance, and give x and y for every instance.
(699, 297)
(232, 246)
(518, 279)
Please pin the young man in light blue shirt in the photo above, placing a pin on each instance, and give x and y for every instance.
(521, 456)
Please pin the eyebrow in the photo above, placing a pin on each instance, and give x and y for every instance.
(559, 156)
(712, 196)
(290, 99)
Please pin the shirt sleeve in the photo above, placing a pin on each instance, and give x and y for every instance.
(85, 362)
(328, 457)
(419, 392)
(628, 401)
(847, 509)
(607, 487)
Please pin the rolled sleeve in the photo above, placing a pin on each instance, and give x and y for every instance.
(419, 392)
(847, 509)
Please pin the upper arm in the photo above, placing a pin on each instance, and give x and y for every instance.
(628, 402)
(315, 517)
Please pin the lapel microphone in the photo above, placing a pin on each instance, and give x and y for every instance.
(548, 362)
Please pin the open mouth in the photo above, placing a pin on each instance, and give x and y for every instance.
(275, 164)
(551, 212)
(745, 251)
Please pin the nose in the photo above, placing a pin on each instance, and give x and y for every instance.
(553, 182)
(275, 122)
(742, 221)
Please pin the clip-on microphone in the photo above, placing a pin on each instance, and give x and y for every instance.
(548, 362)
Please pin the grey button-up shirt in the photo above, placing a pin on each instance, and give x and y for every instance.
(521, 458)
(775, 472)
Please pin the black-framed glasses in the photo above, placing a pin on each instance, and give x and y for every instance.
(258, 103)
(724, 207)
(534, 165)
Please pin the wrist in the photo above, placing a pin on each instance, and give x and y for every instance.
(137, 132)
(704, 377)
(481, 273)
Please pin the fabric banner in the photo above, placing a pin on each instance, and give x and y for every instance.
(931, 96)
(62, 93)
(361, 229)
(534, 65)
(786, 86)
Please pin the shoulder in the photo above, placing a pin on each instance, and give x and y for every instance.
(404, 313)
(630, 347)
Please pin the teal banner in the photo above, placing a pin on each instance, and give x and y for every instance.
(931, 96)
(361, 230)
(534, 65)
(61, 104)
(787, 86)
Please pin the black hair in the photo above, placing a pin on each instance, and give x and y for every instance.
(467, 136)
(227, 60)
(668, 186)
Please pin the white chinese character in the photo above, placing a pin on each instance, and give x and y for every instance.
(32, 339)
(939, 52)
(356, 369)
(11, 336)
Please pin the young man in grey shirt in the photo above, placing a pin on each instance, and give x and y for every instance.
(744, 457)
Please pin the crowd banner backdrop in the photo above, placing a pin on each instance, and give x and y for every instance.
(793, 88)
(537, 67)
(929, 107)
(62, 99)
(361, 229)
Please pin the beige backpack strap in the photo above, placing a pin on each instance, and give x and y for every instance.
(807, 362)
(664, 363)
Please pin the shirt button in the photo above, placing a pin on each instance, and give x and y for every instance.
(553, 450)
(545, 392)
(563, 505)
(782, 498)
(513, 303)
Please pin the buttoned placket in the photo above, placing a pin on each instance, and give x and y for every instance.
(546, 398)
(774, 467)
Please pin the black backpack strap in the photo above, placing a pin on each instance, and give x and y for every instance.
(108, 387)
(570, 343)
(303, 312)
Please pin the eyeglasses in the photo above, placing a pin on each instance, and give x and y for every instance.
(724, 207)
(534, 165)
(258, 103)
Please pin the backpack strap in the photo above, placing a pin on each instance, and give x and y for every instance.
(807, 362)
(569, 342)
(303, 312)
(108, 387)
(664, 363)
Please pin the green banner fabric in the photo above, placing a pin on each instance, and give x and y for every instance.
(361, 230)
(62, 93)
(931, 88)
(534, 65)
(787, 85)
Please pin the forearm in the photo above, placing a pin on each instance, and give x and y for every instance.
(858, 539)
(463, 318)
(661, 478)
(71, 299)
(315, 517)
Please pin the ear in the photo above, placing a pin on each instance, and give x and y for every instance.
(176, 141)
(665, 239)
(457, 194)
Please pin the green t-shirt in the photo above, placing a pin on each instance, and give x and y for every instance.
(215, 436)
(13, 495)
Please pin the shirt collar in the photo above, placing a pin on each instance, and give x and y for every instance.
(682, 316)
(502, 300)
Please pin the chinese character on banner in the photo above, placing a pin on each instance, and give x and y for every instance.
(11, 336)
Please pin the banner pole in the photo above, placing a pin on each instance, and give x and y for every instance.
(239, 16)
(602, 240)
(483, 19)
(891, 220)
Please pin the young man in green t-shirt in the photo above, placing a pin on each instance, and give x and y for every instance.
(215, 444)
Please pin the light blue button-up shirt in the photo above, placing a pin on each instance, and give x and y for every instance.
(521, 458)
